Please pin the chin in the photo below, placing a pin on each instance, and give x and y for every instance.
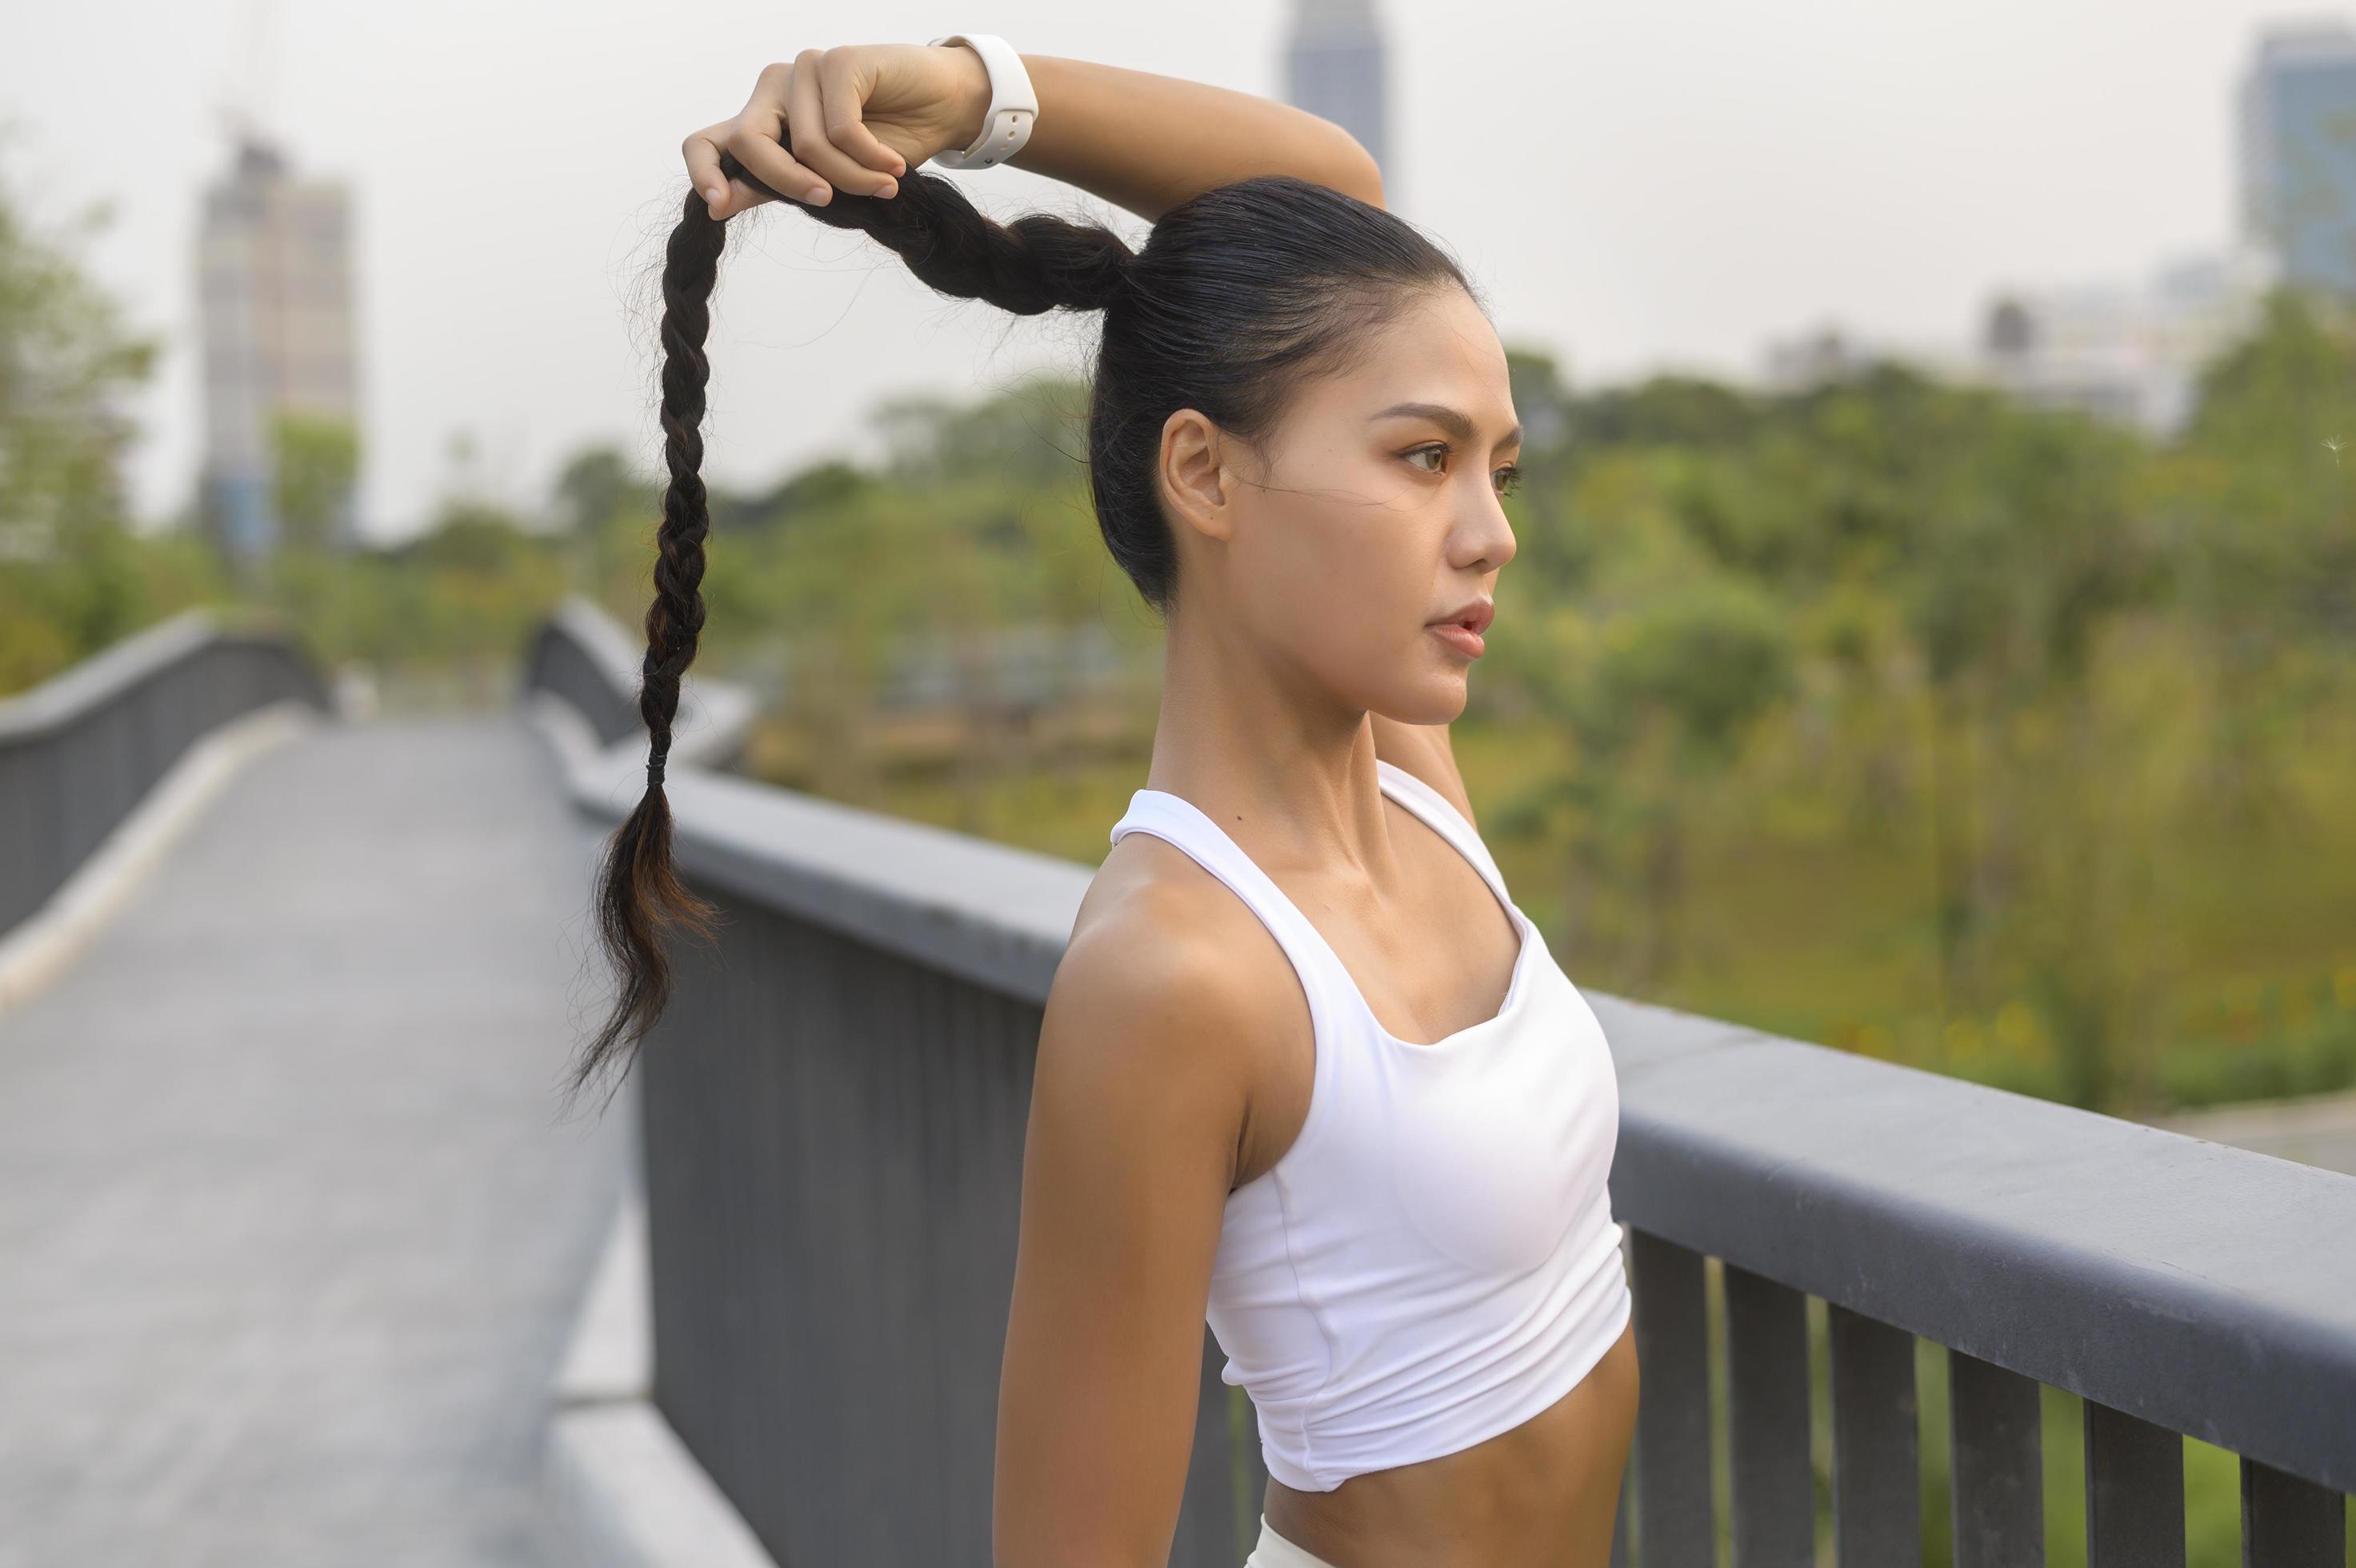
(1427, 701)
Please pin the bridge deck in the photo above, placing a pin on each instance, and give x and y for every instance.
(291, 1231)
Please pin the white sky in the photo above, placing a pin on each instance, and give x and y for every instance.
(1669, 183)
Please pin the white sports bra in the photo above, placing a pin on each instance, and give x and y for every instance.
(1433, 1260)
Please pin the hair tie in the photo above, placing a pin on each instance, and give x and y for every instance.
(654, 769)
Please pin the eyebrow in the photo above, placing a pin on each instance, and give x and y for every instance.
(1451, 420)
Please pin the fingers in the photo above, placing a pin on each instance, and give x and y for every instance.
(755, 137)
(740, 196)
(724, 196)
(702, 151)
(820, 98)
(847, 79)
(808, 110)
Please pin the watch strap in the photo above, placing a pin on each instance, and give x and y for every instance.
(1013, 105)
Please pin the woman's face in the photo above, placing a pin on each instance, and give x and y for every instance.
(1374, 515)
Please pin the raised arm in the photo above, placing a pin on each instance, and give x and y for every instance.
(863, 114)
(1147, 143)
(1137, 1115)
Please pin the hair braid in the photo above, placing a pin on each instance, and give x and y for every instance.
(675, 619)
(639, 890)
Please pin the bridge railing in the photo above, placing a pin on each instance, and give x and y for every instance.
(78, 752)
(833, 1115)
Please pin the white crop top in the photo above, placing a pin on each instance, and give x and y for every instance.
(1433, 1260)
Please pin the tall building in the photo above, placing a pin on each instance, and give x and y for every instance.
(2133, 354)
(1335, 67)
(276, 308)
(2298, 113)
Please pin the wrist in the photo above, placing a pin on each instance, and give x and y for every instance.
(971, 98)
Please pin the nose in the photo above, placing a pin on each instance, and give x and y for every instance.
(1490, 536)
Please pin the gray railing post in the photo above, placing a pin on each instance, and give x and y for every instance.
(1767, 1410)
(1996, 1473)
(1674, 1495)
(2290, 1523)
(2135, 1491)
(1876, 1480)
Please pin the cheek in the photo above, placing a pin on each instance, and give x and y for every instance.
(1345, 599)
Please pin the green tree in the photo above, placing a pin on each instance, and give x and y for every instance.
(2262, 492)
(69, 580)
(1658, 671)
(317, 462)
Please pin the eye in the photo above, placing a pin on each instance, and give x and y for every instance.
(1508, 477)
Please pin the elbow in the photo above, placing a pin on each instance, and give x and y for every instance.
(1357, 174)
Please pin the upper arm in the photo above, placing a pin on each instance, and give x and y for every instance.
(1137, 1107)
(1425, 751)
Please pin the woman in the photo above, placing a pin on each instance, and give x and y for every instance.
(1305, 1069)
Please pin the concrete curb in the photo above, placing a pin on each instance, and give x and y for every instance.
(620, 1489)
(42, 945)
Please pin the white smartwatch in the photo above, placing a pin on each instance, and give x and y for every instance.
(1013, 105)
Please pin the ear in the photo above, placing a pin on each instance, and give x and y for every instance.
(1195, 482)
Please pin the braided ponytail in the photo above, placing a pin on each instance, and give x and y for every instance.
(1035, 263)
(1240, 294)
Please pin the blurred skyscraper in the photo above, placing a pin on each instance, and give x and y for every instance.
(2129, 352)
(2298, 152)
(275, 303)
(1335, 69)
(2132, 353)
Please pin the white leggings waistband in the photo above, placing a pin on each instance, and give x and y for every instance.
(1272, 1550)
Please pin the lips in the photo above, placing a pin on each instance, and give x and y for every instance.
(1460, 628)
(1473, 616)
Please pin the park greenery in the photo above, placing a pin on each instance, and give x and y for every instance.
(1895, 715)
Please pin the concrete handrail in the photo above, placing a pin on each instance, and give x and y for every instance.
(79, 750)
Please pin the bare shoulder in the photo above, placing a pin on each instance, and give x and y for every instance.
(1168, 975)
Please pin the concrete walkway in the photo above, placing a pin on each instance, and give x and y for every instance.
(291, 1232)
(2320, 1131)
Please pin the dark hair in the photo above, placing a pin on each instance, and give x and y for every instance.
(1238, 295)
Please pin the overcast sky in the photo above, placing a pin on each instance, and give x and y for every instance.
(1664, 185)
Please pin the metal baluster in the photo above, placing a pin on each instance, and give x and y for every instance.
(1999, 1486)
(2135, 1491)
(1767, 1367)
(1674, 1524)
(2288, 1523)
(1877, 1478)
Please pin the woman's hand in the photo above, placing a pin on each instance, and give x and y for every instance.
(859, 116)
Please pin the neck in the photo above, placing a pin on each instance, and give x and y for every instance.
(1264, 748)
